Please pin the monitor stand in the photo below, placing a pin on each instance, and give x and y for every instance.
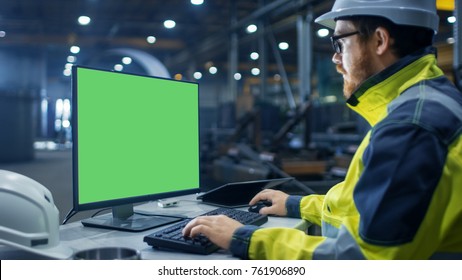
(124, 218)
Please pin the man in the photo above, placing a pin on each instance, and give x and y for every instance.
(401, 198)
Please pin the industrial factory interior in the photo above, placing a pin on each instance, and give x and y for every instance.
(270, 101)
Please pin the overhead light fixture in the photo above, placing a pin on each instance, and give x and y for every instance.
(71, 59)
(254, 56)
(237, 76)
(330, 99)
(197, 2)
(255, 71)
(452, 19)
(169, 24)
(283, 46)
(2, 34)
(84, 20)
(251, 28)
(126, 60)
(213, 70)
(75, 49)
(323, 32)
(197, 75)
(151, 39)
(118, 67)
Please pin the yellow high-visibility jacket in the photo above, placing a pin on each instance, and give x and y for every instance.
(402, 195)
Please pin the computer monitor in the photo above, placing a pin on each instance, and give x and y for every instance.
(135, 139)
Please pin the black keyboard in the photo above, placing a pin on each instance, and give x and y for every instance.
(172, 237)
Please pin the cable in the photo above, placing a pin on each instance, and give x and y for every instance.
(99, 211)
(161, 215)
(68, 216)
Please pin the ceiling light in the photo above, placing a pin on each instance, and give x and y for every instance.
(2, 34)
(251, 28)
(197, 2)
(197, 75)
(71, 59)
(126, 60)
(452, 19)
(118, 67)
(75, 49)
(67, 72)
(213, 70)
(330, 99)
(323, 32)
(151, 39)
(169, 24)
(237, 76)
(283, 46)
(84, 20)
(255, 71)
(254, 56)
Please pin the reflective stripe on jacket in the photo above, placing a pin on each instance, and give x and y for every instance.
(401, 197)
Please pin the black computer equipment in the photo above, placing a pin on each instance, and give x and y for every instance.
(239, 194)
(259, 205)
(171, 238)
(135, 139)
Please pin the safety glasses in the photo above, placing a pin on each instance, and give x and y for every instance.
(336, 45)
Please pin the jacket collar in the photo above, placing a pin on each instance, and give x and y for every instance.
(371, 98)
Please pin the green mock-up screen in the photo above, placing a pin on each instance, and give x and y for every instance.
(137, 135)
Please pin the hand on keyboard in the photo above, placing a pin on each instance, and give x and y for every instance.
(205, 234)
(219, 229)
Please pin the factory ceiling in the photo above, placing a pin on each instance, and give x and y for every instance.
(200, 37)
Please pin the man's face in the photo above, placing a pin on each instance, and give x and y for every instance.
(355, 62)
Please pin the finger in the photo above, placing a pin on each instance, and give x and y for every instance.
(187, 230)
(265, 210)
(263, 195)
(200, 229)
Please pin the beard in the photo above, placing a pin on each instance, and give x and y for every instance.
(360, 70)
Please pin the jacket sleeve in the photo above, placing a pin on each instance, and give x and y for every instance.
(306, 207)
(281, 243)
(250, 242)
(311, 208)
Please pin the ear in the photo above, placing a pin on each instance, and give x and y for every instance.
(382, 41)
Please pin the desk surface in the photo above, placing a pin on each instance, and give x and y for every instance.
(78, 237)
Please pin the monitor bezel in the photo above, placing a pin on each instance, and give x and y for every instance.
(75, 159)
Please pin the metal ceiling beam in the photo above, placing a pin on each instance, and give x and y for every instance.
(214, 44)
(52, 40)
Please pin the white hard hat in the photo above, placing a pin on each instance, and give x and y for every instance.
(420, 13)
(29, 219)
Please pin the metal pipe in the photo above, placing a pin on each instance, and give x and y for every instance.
(282, 71)
(233, 56)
